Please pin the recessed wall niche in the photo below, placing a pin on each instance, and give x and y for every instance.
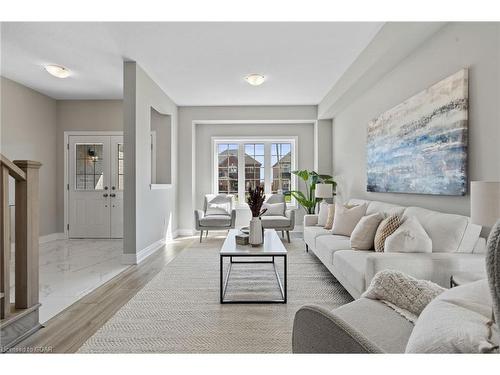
(161, 149)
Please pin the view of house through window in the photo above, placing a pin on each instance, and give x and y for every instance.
(245, 164)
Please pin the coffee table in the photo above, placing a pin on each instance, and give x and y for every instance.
(271, 249)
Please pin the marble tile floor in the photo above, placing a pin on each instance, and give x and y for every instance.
(70, 269)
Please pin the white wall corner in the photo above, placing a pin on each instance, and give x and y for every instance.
(143, 254)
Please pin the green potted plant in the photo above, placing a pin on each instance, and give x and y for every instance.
(311, 178)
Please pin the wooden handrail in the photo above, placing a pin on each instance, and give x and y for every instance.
(14, 170)
(25, 173)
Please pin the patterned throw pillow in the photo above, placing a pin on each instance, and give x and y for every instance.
(387, 227)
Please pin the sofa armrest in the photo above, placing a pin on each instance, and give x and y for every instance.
(436, 267)
(317, 330)
(233, 218)
(290, 214)
(310, 220)
(198, 215)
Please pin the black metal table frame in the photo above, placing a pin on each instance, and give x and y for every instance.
(224, 280)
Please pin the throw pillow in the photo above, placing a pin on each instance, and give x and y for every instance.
(403, 293)
(323, 213)
(363, 235)
(346, 219)
(330, 216)
(410, 237)
(457, 321)
(387, 227)
(274, 209)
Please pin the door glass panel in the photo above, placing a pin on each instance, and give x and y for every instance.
(120, 170)
(89, 170)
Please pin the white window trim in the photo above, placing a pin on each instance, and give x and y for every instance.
(293, 140)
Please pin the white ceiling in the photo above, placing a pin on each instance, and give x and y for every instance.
(194, 63)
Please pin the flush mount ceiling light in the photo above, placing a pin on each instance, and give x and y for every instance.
(255, 79)
(58, 71)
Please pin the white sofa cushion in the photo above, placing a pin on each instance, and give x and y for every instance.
(311, 233)
(445, 230)
(364, 233)
(327, 245)
(456, 322)
(352, 265)
(346, 219)
(410, 237)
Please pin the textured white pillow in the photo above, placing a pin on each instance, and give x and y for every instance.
(459, 320)
(346, 218)
(410, 237)
(364, 233)
(274, 209)
(323, 213)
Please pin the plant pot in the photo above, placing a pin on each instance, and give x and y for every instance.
(255, 232)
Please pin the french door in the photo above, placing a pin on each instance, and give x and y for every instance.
(95, 185)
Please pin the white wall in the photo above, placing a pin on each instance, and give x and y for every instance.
(204, 169)
(28, 128)
(148, 214)
(188, 116)
(457, 45)
(82, 115)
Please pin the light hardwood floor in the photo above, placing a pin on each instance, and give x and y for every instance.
(68, 330)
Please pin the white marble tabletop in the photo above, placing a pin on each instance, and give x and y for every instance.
(272, 245)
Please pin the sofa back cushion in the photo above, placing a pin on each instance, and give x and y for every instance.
(374, 207)
(445, 230)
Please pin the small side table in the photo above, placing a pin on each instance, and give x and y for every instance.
(461, 278)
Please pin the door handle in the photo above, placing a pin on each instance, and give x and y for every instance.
(105, 195)
(112, 195)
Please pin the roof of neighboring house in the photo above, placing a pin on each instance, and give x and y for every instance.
(248, 158)
(285, 159)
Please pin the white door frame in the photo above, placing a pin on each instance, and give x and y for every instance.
(67, 134)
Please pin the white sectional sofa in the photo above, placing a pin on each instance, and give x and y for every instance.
(457, 247)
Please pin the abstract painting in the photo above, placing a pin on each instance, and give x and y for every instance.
(420, 146)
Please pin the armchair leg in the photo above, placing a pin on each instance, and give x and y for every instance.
(201, 235)
(307, 248)
(282, 234)
(288, 235)
(206, 234)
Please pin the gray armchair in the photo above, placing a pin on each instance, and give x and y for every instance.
(284, 222)
(217, 214)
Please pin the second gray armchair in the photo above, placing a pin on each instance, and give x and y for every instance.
(278, 217)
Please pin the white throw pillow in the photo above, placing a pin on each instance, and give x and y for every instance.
(459, 320)
(346, 219)
(410, 237)
(274, 209)
(323, 213)
(364, 233)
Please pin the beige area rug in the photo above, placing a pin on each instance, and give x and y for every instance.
(179, 310)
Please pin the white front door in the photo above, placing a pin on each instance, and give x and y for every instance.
(95, 186)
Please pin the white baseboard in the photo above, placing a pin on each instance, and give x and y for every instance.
(186, 232)
(51, 237)
(142, 254)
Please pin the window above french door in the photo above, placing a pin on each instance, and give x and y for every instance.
(243, 163)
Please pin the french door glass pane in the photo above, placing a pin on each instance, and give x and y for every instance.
(254, 166)
(120, 171)
(88, 166)
(281, 162)
(227, 154)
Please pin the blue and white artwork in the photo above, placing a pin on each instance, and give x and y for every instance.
(420, 146)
